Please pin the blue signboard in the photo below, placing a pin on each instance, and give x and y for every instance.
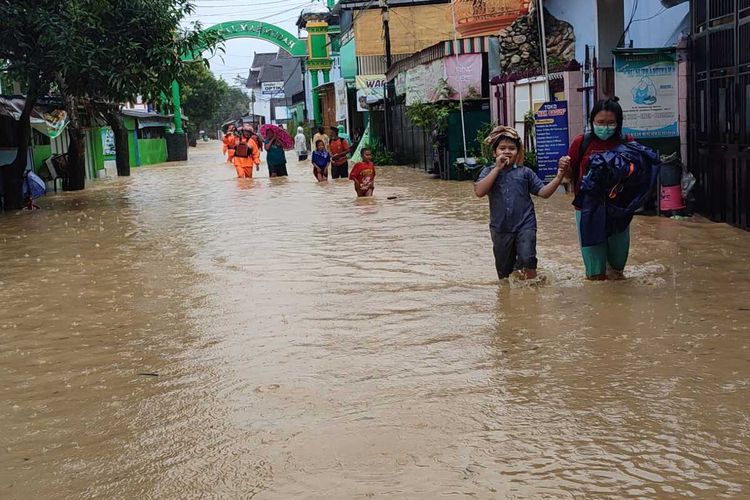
(551, 126)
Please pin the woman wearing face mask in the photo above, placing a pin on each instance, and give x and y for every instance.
(606, 134)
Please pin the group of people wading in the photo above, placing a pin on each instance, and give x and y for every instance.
(612, 176)
(243, 149)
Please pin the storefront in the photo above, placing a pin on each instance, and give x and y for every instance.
(440, 76)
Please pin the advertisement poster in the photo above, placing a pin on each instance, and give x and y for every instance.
(281, 112)
(108, 142)
(273, 89)
(415, 85)
(551, 127)
(370, 89)
(435, 82)
(646, 83)
(464, 75)
(342, 104)
(401, 84)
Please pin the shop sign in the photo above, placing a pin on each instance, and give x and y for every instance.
(370, 89)
(551, 128)
(646, 83)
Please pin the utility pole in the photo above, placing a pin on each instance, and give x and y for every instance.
(543, 47)
(388, 62)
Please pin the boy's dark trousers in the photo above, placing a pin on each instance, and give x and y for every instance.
(340, 171)
(514, 251)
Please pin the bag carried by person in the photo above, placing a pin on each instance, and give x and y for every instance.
(242, 150)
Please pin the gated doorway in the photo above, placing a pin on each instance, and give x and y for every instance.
(720, 109)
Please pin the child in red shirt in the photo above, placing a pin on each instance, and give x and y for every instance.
(363, 174)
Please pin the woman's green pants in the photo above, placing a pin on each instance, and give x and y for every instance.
(613, 252)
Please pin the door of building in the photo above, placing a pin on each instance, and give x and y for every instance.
(720, 109)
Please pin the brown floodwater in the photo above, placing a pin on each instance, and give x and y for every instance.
(184, 334)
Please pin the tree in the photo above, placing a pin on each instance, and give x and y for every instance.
(98, 53)
(234, 106)
(202, 94)
(128, 48)
(32, 41)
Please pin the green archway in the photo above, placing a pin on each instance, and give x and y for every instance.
(261, 31)
(241, 29)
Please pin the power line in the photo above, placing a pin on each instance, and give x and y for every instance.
(664, 9)
(209, 8)
(200, 16)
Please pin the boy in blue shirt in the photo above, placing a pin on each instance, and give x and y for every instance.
(509, 185)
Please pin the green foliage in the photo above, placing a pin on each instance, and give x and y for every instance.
(529, 159)
(380, 155)
(202, 94)
(431, 116)
(529, 124)
(483, 152)
(33, 41)
(121, 49)
(233, 106)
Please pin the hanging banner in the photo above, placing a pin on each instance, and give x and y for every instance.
(435, 81)
(551, 128)
(370, 89)
(646, 83)
(464, 75)
(415, 88)
(342, 103)
(401, 84)
(108, 142)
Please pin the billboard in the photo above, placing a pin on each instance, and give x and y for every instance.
(646, 83)
(273, 89)
(342, 104)
(370, 89)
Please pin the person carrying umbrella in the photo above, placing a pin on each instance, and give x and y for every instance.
(246, 154)
(275, 158)
(277, 141)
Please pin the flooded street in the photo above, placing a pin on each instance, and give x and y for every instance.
(185, 334)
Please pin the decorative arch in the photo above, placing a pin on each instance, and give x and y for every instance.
(229, 30)
(260, 30)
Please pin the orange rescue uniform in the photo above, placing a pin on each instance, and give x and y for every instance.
(230, 141)
(244, 166)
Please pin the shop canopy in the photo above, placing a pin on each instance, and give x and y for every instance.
(49, 120)
(147, 119)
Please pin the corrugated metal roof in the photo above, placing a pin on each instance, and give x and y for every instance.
(262, 58)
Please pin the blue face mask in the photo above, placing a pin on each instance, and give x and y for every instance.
(604, 132)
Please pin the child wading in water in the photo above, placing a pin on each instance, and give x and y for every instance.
(512, 219)
(321, 159)
(363, 174)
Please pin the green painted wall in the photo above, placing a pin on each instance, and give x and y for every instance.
(474, 120)
(152, 151)
(41, 153)
(348, 60)
(98, 148)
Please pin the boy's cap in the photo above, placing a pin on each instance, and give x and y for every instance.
(502, 132)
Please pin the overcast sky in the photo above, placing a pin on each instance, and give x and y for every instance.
(238, 53)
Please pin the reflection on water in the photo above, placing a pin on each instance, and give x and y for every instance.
(184, 333)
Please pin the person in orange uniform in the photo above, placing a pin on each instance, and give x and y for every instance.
(230, 141)
(246, 154)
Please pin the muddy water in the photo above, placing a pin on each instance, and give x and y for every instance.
(183, 334)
